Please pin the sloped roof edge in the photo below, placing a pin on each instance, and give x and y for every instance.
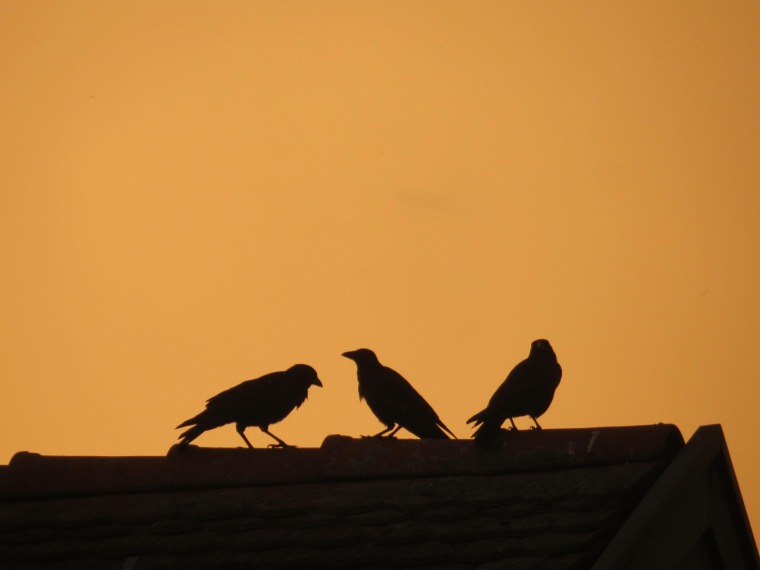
(695, 502)
(338, 458)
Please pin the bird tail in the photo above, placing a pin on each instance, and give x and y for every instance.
(478, 418)
(488, 429)
(190, 435)
(427, 430)
(445, 428)
(487, 432)
(198, 427)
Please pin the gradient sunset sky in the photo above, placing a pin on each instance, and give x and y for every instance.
(195, 193)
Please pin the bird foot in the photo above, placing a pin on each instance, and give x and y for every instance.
(535, 427)
(281, 446)
(377, 436)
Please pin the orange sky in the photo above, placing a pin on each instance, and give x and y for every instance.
(194, 193)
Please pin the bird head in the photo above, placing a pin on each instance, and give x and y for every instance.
(306, 372)
(541, 347)
(362, 356)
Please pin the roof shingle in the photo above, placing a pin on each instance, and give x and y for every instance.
(548, 499)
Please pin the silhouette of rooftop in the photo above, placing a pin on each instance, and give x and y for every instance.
(622, 497)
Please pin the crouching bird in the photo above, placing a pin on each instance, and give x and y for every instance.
(260, 402)
(527, 391)
(393, 399)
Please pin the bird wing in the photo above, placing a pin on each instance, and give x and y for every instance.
(255, 389)
(259, 402)
(528, 388)
(516, 392)
(394, 399)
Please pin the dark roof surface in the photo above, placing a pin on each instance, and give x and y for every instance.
(692, 518)
(550, 499)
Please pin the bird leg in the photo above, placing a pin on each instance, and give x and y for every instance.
(514, 427)
(279, 443)
(241, 430)
(393, 433)
(382, 433)
(536, 422)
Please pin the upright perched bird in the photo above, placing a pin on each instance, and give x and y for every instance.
(259, 402)
(393, 400)
(527, 391)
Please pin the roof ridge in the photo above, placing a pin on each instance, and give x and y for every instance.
(340, 457)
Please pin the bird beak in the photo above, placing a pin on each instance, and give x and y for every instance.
(349, 354)
(317, 382)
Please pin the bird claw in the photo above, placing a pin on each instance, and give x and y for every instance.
(377, 436)
(281, 446)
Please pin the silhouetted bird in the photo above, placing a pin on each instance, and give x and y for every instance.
(260, 402)
(393, 400)
(527, 391)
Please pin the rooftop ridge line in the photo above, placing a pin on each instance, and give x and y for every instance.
(339, 457)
